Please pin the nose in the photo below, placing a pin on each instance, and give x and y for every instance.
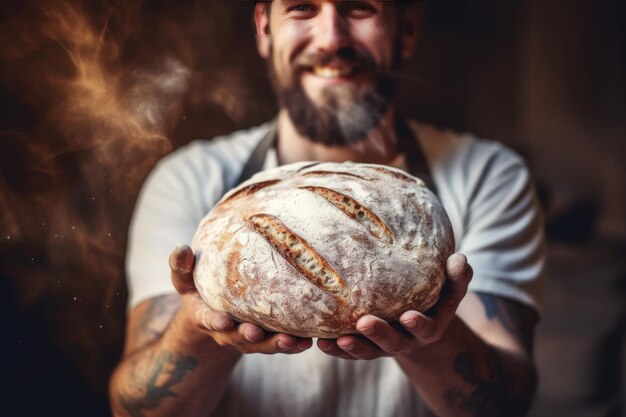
(332, 31)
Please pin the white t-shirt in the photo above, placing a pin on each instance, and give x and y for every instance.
(486, 191)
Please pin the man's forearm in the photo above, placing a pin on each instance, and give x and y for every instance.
(461, 375)
(182, 373)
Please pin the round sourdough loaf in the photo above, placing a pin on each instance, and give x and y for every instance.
(309, 248)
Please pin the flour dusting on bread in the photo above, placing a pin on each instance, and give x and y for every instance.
(309, 248)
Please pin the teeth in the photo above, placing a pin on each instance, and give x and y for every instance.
(328, 72)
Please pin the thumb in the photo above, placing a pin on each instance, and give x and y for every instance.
(181, 264)
(458, 269)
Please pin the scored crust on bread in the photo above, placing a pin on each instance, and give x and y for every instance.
(299, 254)
(355, 211)
(308, 249)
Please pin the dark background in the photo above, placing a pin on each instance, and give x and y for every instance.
(93, 93)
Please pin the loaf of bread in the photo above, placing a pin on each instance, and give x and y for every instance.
(309, 248)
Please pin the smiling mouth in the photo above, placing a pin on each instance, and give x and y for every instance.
(330, 72)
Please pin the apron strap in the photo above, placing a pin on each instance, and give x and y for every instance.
(407, 143)
(257, 160)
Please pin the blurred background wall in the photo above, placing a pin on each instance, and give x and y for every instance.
(93, 93)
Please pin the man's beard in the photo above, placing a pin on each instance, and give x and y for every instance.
(345, 116)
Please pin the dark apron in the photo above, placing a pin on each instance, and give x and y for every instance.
(408, 144)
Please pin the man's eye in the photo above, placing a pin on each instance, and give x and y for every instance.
(358, 9)
(302, 8)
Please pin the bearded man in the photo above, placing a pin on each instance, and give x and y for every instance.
(333, 66)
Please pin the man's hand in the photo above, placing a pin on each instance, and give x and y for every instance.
(416, 329)
(242, 337)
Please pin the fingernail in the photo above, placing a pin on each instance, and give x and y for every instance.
(368, 330)
(182, 258)
(221, 323)
(282, 346)
(348, 347)
(253, 337)
(180, 252)
(411, 323)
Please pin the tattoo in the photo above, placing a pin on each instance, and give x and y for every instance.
(518, 319)
(495, 394)
(152, 380)
(154, 320)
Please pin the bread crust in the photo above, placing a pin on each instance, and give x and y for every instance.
(307, 249)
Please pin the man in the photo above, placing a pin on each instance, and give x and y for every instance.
(333, 66)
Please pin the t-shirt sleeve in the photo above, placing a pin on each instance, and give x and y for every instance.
(503, 237)
(181, 189)
(175, 197)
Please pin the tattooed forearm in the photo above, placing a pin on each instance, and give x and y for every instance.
(490, 391)
(152, 380)
(516, 318)
(152, 321)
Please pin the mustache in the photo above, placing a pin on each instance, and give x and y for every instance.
(344, 57)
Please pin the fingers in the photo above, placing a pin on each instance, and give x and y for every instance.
(459, 275)
(458, 269)
(244, 337)
(425, 329)
(181, 264)
(284, 343)
(383, 339)
(214, 321)
(276, 343)
(351, 347)
(383, 334)
(329, 347)
(247, 337)
(250, 333)
(378, 338)
(430, 329)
